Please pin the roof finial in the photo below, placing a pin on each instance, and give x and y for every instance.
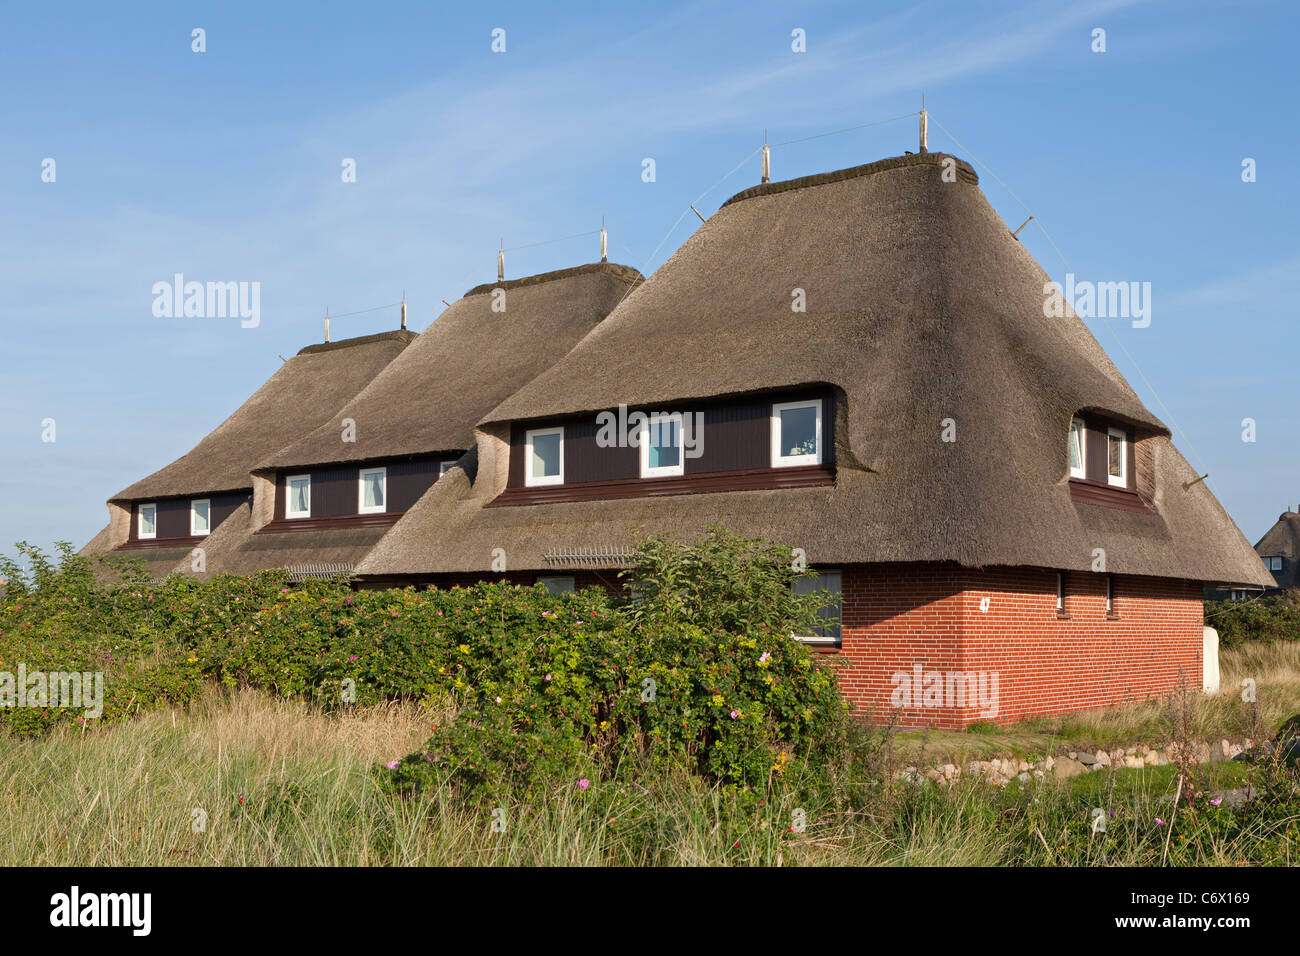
(767, 160)
(403, 308)
(604, 241)
(925, 126)
(327, 323)
(501, 262)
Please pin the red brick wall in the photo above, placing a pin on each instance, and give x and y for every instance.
(899, 616)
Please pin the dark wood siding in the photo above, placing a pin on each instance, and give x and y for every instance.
(174, 514)
(737, 437)
(335, 491)
(408, 480)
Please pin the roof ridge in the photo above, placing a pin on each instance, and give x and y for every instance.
(626, 273)
(965, 172)
(403, 335)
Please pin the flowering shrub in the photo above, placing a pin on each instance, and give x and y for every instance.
(549, 686)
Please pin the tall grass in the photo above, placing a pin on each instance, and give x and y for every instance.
(284, 784)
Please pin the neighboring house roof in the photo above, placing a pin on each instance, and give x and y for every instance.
(921, 306)
(305, 391)
(469, 359)
(1283, 540)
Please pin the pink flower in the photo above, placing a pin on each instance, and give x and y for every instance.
(1159, 822)
(1216, 801)
(735, 714)
(548, 676)
(353, 658)
(763, 659)
(392, 765)
(584, 783)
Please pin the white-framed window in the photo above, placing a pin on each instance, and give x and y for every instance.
(297, 496)
(557, 584)
(200, 517)
(661, 445)
(1110, 594)
(445, 467)
(1117, 457)
(544, 456)
(1078, 449)
(1060, 592)
(148, 521)
(1273, 562)
(832, 581)
(372, 491)
(797, 433)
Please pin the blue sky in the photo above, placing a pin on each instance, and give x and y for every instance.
(225, 165)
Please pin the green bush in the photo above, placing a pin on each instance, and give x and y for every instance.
(698, 672)
(1275, 617)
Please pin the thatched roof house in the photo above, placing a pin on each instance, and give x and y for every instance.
(1279, 550)
(407, 426)
(161, 518)
(947, 428)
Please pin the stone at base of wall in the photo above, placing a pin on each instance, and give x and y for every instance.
(1000, 770)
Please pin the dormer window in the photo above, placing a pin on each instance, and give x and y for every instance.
(1078, 449)
(148, 521)
(661, 445)
(544, 457)
(1273, 562)
(372, 493)
(200, 517)
(1117, 457)
(797, 433)
(297, 501)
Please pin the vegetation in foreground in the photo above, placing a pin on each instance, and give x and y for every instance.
(242, 778)
(247, 722)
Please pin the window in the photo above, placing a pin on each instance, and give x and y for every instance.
(1273, 563)
(1060, 592)
(372, 491)
(828, 633)
(797, 433)
(445, 467)
(661, 445)
(1117, 457)
(148, 526)
(200, 516)
(544, 457)
(1078, 446)
(1110, 594)
(557, 584)
(297, 501)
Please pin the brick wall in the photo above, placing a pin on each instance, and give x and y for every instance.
(897, 617)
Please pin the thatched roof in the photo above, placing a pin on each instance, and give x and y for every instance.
(158, 561)
(233, 548)
(921, 306)
(1283, 538)
(302, 393)
(469, 359)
